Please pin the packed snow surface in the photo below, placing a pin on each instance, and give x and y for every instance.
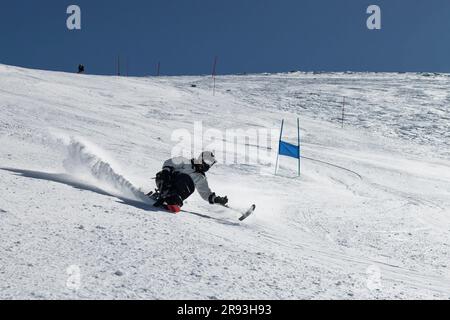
(369, 217)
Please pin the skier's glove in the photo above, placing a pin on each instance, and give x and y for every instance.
(221, 200)
(213, 199)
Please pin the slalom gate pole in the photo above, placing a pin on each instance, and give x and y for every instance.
(279, 141)
(298, 132)
(214, 75)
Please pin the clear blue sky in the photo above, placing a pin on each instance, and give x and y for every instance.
(247, 35)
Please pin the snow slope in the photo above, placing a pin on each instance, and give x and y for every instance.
(368, 218)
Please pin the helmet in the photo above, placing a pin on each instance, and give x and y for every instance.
(207, 157)
(205, 161)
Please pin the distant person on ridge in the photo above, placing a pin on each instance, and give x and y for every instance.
(80, 68)
(179, 179)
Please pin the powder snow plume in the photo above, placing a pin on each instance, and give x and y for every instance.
(89, 162)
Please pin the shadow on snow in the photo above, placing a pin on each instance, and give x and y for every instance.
(69, 180)
(77, 184)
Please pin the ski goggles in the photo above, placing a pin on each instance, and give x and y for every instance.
(206, 166)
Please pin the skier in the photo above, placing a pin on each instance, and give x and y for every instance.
(180, 177)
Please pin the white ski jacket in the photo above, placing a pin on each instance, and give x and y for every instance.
(184, 165)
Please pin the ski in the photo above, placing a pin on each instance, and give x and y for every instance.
(154, 195)
(248, 213)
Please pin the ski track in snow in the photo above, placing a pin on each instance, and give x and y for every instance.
(372, 196)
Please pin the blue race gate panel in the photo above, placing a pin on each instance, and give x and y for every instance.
(288, 149)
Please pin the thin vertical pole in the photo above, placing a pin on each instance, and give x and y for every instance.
(298, 133)
(214, 75)
(214, 66)
(343, 110)
(118, 65)
(279, 141)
